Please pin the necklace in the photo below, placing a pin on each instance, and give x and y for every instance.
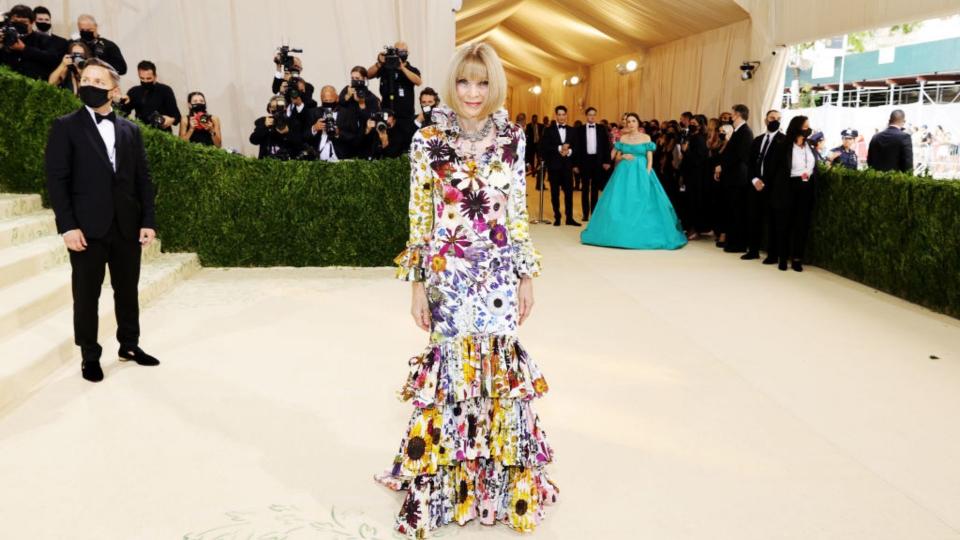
(469, 142)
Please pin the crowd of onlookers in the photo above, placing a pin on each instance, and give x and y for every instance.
(750, 194)
(352, 123)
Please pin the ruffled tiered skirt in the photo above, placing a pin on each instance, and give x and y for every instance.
(474, 448)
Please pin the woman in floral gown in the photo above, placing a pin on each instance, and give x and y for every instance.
(474, 447)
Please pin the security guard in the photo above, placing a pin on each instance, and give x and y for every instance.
(845, 155)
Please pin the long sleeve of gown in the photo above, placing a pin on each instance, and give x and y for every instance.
(412, 261)
(526, 259)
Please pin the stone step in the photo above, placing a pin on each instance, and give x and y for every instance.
(37, 256)
(23, 229)
(31, 355)
(15, 204)
(30, 299)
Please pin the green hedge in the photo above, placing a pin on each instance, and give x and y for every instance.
(892, 231)
(229, 209)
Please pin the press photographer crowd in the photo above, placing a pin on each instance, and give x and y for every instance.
(353, 123)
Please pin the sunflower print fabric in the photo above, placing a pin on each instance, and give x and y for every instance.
(474, 447)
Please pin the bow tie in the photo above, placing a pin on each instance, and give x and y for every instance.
(561, 127)
(112, 117)
(591, 126)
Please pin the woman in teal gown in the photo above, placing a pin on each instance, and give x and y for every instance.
(633, 211)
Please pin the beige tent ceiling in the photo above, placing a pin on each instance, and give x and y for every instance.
(538, 39)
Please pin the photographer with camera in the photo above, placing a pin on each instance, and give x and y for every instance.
(299, 106)
(27, 52)
(359, 96)
(153, 101)
(43, 21)
(277, 135)
(67, 74)
(334, 128)
(386, 137)
(199, 126)
(397, 81)
(428, 102)
(101, 47)
(289, 67)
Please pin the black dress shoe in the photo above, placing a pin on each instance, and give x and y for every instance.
(137, 355)
(770, 260)
(721, 244)
(91, 370)
(797, 266)
(783, 265)
(749, 256)
(573, 223)
(556, 223)
(733, 249)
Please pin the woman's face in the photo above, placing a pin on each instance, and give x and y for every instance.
(472, 96)
(632, 124)
(198, 100)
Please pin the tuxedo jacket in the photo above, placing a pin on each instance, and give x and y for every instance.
(768, 158)
(891, 150)
(550, 146)
(347, 144)
(735, 158)
(84, 190)
(603, 145)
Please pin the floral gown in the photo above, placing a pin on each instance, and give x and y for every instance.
(474, 447)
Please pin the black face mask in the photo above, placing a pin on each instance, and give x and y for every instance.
(21, 28)
(806, 133)
(87, 35)
(93, 97)
(773, 126)
(403, 55)
(43, 26)
(330, 104)
(199, 107)
(147, 84)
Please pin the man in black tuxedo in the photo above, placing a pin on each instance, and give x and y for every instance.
(762, 153)
(734, 174)
(892, 148)
(102, 196)
(556, 148)
(342, 142)
(592, 157)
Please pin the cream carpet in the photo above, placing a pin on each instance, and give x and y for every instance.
(693, 396)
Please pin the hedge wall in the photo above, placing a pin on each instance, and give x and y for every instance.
(230, 209)
(891, 231)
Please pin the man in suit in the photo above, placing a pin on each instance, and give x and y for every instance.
(734, 174)
(762, 153)
(556, 148)
(534, 130)
(343, 141)
(892, 148)
(592, 157)
(103, 199)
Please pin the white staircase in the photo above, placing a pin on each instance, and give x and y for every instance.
(36, 306)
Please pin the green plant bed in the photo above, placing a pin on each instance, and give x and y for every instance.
(892, 231)
(229, 209)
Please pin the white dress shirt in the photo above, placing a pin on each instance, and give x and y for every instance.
(562, 130)
(591, 139)
(326, 149)
(108, 132)
(803, 161)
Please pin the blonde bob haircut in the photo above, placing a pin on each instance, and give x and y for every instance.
(477, 62)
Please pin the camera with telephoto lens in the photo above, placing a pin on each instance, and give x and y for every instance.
(285, 56)
(391, 57)
(77, 60)
(279, 116)
(293, 89)
(329, 122)
(155, 119)
(10, 31)
(359, 88)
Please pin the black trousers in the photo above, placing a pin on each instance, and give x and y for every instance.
(561, 178)
(122, 256)
(593, 177)
(735, 215)
(792, 220)
(758, 212)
